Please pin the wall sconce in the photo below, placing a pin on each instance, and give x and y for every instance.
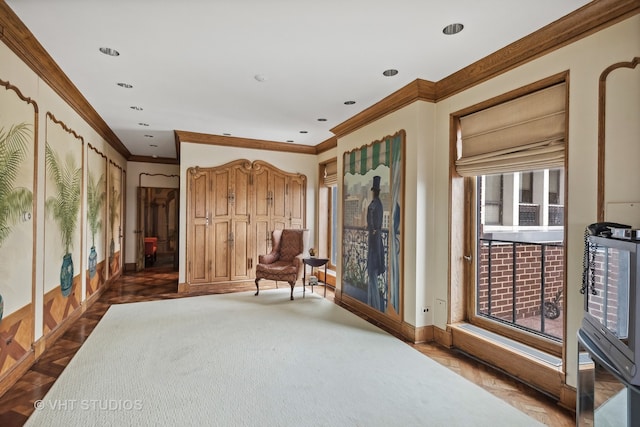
(26, 216)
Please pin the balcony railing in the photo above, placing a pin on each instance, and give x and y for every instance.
(354, 257)
(520, 284)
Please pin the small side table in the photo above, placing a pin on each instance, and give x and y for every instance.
(314, 262)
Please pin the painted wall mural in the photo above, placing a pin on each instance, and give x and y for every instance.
(18, 133)
(373, 192)
(63, 243)
(45, 224)
(96, 205)
(115, 201)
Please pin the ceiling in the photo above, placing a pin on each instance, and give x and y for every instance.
(263, 69)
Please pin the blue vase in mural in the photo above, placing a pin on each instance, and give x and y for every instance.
(112, 249)
(66, 275)
(93, 262)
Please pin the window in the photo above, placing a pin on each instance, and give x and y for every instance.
(333, 228)
(492, 197)
(511, 154)
(519, 272)
(525, 187)
(328, 212)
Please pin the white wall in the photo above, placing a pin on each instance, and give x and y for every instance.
(212, 155)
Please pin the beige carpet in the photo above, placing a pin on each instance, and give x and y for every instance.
(242, 360)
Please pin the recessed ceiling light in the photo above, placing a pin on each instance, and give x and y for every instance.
(109, 51)
(349, 102)
(226, 134)
(289, 140)
(148, 136)
(322, 120)
(260, 77)
(143, 124)
(125, 85)
(390, 72)
(304, 131)
(452, 29)
(153, 145)
(133, 107)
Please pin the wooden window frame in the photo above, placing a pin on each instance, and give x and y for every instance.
(463, 226)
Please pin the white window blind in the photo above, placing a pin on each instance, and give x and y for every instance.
(330, 173)
(523, 134)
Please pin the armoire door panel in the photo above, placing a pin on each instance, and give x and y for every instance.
(241, 191)
(278, 195)
(295, 203)
(241, 247)
(198, 255)
(200, 192)
(222, 193)
(221, 251)
(263, 238)
(262, 203)
(278, 224)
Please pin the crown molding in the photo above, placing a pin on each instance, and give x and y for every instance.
(19, 39)
(177, 144)
(149, 159)
(580, 23)
(583, 22)
(231, 141)
(327, 145)
(416, 90)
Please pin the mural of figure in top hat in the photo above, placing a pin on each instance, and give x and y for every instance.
(375, 255)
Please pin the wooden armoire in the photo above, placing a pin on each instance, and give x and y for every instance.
(231, 211)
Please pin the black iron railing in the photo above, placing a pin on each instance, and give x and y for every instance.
(354, 255)
(520, 283)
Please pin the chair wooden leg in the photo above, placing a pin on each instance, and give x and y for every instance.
(257, 288)
(292, 284)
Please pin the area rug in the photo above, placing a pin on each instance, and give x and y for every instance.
(245, 360)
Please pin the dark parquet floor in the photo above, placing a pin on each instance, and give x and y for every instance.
(17, 404)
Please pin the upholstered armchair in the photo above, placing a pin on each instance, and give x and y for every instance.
(284, 262)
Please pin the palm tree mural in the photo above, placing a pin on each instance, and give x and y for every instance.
(96, 196)
(114, 215)
(14, 201)
(64, 207)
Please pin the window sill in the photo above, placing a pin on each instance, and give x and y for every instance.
(537, 369)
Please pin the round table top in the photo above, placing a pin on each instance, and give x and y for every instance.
(315, 262)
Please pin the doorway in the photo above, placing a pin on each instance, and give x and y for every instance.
(158, 222)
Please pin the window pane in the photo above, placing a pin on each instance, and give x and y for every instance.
(519, 277)
(493, 199)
